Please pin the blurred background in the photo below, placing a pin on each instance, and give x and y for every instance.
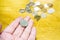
(47, 29)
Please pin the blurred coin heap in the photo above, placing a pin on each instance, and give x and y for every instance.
(37, 7)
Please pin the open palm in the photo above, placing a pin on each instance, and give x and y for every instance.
(16, 32)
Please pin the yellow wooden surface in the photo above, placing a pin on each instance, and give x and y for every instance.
(47, 29)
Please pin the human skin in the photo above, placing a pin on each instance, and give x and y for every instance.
(15, 31)
(0, 28)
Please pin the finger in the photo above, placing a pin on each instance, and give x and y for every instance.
(20, 29)
(13, 26)
(6, 36)
(27, 31)
(27, 18)
(33, 34)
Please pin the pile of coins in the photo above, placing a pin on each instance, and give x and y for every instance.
(38, 7)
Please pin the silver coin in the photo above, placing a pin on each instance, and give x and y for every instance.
(22, 10)
(31, 3)
(41, 6)
(35, 13)
(28, 9)
(37, 17)
(23, 23)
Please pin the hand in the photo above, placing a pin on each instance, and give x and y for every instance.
(16, 32)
